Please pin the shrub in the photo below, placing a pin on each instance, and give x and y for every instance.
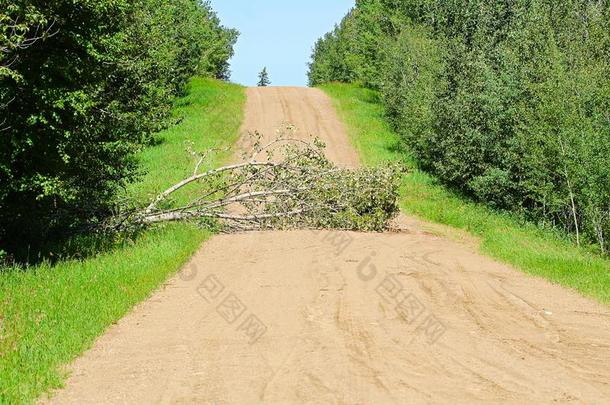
(83, 85)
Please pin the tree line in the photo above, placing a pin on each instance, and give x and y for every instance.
(507, 102)
(84, 85)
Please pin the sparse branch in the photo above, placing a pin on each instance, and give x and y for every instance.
(21, 37)
(278, 141)
(198, 177)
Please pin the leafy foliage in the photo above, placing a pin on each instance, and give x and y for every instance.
(506, 102)
(83, 85)
(285, 184)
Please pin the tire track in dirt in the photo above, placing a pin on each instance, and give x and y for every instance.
(349, 318)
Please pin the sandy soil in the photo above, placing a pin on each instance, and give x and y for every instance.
(347, 318)
(310, 111)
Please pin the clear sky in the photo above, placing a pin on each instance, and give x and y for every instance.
(278, 34)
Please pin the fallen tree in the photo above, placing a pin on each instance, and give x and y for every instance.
(285, 184)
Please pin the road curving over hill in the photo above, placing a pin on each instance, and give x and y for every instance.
(346, 318)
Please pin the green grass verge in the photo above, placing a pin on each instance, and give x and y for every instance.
(49, 314)
(534, 250)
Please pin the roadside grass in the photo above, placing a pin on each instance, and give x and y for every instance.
(537, 251)
(51, 313)
(211, 114)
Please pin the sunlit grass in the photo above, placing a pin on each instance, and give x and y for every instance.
(534, 250)
(49, 314)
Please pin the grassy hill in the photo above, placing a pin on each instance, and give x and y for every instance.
(51, 313)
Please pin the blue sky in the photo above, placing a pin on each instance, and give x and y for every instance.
(278, 34)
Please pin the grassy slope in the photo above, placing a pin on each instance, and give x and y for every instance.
(529, 248)
(51, 314)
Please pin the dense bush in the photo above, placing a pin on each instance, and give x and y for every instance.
(83, 85)
(507, 102)
(352, 52)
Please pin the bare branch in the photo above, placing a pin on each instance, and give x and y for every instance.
(198, 177)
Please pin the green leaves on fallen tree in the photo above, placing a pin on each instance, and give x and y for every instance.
(286, 184)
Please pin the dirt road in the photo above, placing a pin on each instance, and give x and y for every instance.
(347, 318)
(310, 111)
